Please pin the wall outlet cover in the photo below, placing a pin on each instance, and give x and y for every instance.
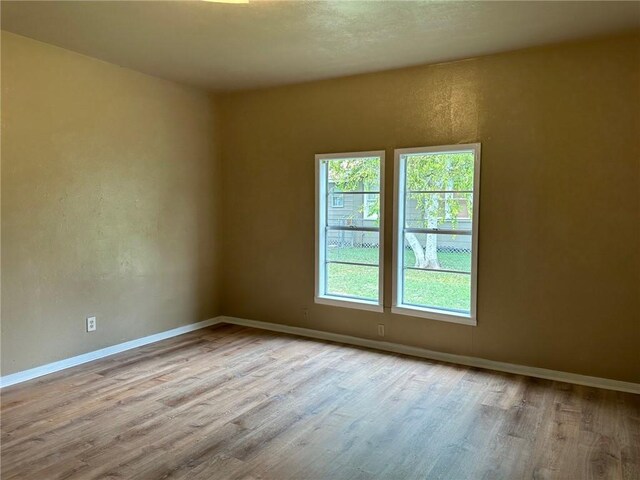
(92, 324)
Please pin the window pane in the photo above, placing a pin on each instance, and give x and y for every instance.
(358, 210)
(354, 174)
(352, 281)
(336, 200)
(437, 251)
(451, 211)
(439, 171)
(356, 247)
(441, 290)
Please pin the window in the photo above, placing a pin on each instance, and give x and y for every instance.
(349, 233)
(435, 234)
(337, 199)
(370, 206)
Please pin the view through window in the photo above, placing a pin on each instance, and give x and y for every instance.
(349, 242)
(436, 232)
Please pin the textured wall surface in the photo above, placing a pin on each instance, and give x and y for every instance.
(115, 202)
(560, 133)
(109, 204)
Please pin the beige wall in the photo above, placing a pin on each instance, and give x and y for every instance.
(560, 133)
(109, 204)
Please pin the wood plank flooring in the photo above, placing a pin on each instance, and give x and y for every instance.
(230, 402)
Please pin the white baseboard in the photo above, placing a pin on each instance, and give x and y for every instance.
(36, 372)
(443, 357)
(334, 337)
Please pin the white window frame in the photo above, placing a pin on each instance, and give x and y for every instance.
(320, 231)
(398, 241)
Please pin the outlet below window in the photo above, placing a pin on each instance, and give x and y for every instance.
(92, 324)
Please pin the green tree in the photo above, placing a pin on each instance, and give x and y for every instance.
(442, 173)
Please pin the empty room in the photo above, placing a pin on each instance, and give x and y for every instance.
(320, 240)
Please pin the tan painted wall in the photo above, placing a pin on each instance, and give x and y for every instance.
(109, 204)
(560, 133)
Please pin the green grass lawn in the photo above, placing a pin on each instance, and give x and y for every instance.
(435, 289)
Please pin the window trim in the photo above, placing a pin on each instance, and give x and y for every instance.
(398, 209)
(320, 215)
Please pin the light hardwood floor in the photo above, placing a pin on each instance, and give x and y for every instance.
(230, 402)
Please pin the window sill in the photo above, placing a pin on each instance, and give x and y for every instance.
(349, 303)
(433, 314)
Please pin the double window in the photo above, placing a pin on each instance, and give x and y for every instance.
(435, 231)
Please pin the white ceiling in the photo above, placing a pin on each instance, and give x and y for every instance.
(263, 43)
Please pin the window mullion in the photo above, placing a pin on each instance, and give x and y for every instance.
(437, 231)
(360, 264)
(352, 229)
(403, 179)
(326, 229)
(439, 270)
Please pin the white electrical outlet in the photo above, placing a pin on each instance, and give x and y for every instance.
(305, 314)
(92, 324)
(381, 330)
